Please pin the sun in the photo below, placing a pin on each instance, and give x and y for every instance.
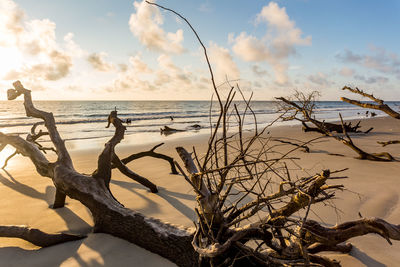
(10, 59)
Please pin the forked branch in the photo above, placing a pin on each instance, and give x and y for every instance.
(379, 106)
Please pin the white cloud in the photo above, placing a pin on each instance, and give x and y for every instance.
(276, 45)
(145, 25)
(225, 67)
(165, 77)
(98, 62)
(41, 57)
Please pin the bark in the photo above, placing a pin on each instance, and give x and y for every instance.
(171, 242)
(59, 199)
(219, 239)
(379, 106)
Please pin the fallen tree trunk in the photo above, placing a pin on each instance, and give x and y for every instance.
(379, 106)
(109, 216)
(222, 235)
(219, 239)
(305, 108)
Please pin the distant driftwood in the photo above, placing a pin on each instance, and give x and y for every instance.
(168, 130)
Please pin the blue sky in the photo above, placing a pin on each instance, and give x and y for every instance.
(120, 50)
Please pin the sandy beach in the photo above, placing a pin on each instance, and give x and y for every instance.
(372, 191)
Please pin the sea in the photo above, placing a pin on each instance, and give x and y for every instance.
(86, 120)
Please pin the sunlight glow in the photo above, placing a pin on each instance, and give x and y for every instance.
(10, 59)
(7, 151)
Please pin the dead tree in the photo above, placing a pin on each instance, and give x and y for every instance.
(346, 139)
(222, 179)
(93, 191)
(250, 209)
(301, 108)
(380, 105)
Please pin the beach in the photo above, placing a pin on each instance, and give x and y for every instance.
(371, 191)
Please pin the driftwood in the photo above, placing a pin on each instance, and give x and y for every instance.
(152, 153)
(379, 106)
(243, 194)
(109, 216)
(302, 109)
(223, 227)
(386, 143)
(168, 130)
(346, 139)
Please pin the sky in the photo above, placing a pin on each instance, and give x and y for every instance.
(130, 50)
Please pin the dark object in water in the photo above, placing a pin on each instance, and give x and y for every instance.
(172, 118)
(128, 121)
(168, 130)
(373, 114)
(195, 126)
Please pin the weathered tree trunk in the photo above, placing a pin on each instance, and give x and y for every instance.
(220, 238)
(109, 215)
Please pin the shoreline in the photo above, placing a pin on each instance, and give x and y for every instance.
(27, 196)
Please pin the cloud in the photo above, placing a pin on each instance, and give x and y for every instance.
(58, 68)
(145, 25)
(319, 78)
(11, 17)
(42, 57)
(98, 62)
(276, 45)
(139, 76)
(346, 72)
(258, 71)
(223, 62)
(379, 60)
(372, 79)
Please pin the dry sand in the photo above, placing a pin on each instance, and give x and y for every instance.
(25, 200)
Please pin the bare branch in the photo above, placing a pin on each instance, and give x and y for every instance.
(380, 106)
